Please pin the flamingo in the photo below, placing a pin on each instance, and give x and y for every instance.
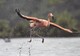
(36, 22)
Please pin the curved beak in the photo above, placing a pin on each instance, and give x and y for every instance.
(52, 17)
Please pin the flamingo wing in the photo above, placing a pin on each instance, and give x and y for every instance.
(59, 27)
(26, 17)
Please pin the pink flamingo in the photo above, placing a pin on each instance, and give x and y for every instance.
(36, 22)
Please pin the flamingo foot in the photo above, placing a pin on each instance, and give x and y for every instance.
(43, 40)
(30, 41)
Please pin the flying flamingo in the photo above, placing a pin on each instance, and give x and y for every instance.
(36, 22)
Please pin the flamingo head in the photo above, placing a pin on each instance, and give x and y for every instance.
(51, 15)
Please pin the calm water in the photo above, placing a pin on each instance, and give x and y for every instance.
(51, 47)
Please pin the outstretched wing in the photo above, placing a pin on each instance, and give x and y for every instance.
(26, 17)
(59, 27)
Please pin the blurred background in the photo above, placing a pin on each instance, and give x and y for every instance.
(66, 12)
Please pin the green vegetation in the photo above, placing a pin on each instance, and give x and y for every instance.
(2, 2)
(55, 1)
(66, 20)
(21, 29)
(4, 28)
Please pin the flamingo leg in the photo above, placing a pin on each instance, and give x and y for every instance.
(31, 29)
(42, 40)
(34, 32)
(31, 32)
(39, 36)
